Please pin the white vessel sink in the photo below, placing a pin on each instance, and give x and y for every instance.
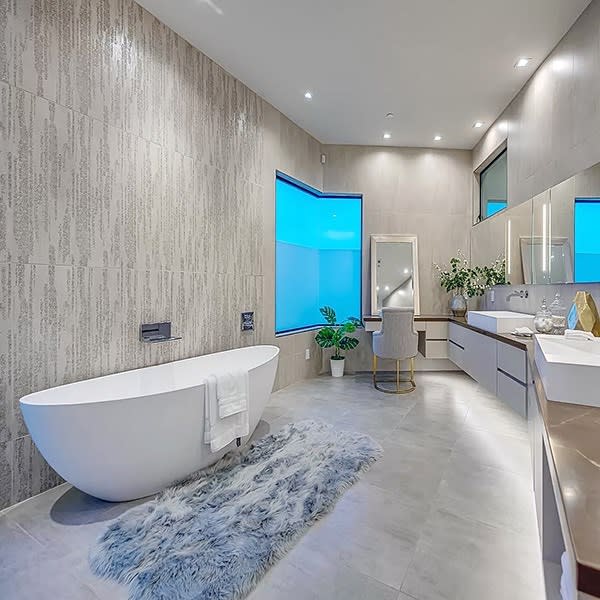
(569, 369)
(499, 321)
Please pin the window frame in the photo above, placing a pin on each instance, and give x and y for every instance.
(280, 175)
(502, 153)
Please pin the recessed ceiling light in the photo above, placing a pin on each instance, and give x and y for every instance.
(308, 95)
(389, 116)
(387, 136)
(477, 124)
(522, 62)
(437, 138)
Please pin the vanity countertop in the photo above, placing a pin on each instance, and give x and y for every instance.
(506, 338)
(572, 433)
(377, 318)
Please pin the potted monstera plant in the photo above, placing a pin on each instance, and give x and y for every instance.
(336, 335)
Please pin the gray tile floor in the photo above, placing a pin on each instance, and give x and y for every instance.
(446, 514)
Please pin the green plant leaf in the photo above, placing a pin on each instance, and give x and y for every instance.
(347, 327)
(326, 337)
(329, 314)
(348, 343)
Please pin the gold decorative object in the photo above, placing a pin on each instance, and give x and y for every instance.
(584, 314)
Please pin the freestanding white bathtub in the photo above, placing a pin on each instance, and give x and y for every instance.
(129, 435)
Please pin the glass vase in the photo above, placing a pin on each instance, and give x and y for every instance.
(458, 305)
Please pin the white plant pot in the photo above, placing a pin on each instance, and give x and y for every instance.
(337, 367)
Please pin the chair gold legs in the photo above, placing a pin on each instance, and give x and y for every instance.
(399, 389)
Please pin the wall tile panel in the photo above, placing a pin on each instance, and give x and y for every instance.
(136, 185)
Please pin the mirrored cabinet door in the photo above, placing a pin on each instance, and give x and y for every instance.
(552, 238)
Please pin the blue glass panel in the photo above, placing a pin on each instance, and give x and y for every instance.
(317, 255)
(587, 240)
(494, 206)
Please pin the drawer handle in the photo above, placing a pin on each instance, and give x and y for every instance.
(511, 377)
(457, 345)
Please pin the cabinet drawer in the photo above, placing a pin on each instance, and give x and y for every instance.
(481, 359)
(437, 330)
(513, 361)
(513, 393)
(457, 334)
(456, 354)
(436, 349)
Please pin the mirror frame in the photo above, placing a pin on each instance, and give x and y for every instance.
(398, 238)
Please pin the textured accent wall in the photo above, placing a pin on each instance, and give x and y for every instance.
(553, 124)
(136, 182)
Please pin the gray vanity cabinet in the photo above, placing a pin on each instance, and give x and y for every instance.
(475, 354)
(497, 366)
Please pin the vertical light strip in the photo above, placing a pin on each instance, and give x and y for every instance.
(550, 239)
(544, 237)
(508, 247)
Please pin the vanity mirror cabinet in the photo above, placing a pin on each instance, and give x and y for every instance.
(551, 238)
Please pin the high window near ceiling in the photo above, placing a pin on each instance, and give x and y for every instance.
(318, 253)
(493, 187)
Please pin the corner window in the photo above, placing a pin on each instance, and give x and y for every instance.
(318, 253)
(493, 184)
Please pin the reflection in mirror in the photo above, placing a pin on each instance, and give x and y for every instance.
(575, 215)
(518, 227)
(487, 239)
(394, 272)
(587, 240)
(501, 236)
(536, 248)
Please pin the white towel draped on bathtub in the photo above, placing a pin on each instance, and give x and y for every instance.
(225, 409)
(232, 393)
(567, 589)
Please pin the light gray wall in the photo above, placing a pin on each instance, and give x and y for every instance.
(136, 182)
(552, 129)
(418, 191)
(553, 124)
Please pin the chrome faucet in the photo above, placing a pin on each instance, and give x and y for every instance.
(518, 294)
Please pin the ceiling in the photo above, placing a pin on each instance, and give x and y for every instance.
(438, 65)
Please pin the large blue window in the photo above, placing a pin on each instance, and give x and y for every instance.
(317, 254)
(587, 240)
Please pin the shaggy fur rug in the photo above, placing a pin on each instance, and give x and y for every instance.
(213, 536)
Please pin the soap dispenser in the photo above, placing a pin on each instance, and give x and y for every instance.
(559, 316)
(543, 319)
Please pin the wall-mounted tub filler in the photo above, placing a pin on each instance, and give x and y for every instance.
(153, 333)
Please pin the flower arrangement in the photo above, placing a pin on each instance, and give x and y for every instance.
(469, 281)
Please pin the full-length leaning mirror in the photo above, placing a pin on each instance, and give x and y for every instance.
(394, 272)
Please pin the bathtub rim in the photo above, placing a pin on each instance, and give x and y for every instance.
(34, 398)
